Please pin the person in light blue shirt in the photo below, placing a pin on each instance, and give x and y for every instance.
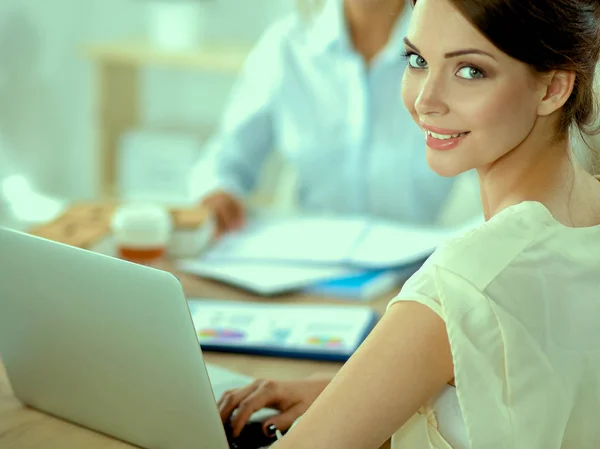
(326, 94)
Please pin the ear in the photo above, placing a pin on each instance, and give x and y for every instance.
(556, 90)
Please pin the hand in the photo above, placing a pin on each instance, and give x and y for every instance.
(291, 398)
(228, 211)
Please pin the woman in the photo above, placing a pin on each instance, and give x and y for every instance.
(495, 341)
(325, 94)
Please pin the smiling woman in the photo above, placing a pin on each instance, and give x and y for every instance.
(536, 43)
(494, 342)
(495, 88)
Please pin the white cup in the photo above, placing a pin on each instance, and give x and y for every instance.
(141, 231)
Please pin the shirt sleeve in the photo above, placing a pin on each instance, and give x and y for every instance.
(421, 288)
(455, 283)
(471, 330)
(234, 156)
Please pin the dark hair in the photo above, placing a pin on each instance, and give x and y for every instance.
(548, 35)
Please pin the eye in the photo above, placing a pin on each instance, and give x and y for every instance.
(416, 61)
(470, 73)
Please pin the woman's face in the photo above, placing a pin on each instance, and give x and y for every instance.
(474, 103)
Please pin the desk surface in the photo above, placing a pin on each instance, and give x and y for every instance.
(23, 428)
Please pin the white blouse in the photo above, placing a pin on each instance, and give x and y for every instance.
(520, 297)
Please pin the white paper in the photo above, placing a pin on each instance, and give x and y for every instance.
(389, 245)
(360, 243)
(264, 278)
(298, 239)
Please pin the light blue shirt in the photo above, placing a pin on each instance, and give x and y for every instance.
(307, 93)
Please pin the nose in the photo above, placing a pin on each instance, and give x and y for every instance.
(430, 100)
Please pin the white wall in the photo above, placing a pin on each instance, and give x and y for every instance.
(46, 116)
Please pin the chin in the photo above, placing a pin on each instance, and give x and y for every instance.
(446, 163)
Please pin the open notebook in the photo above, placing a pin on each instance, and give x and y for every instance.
(350, 242)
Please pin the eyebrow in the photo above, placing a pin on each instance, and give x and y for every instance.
(453, 54)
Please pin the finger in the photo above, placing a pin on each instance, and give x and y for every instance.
(284, 420)
(224, 396)
(232, 399)
(229, 403)
(213, 205)
(221, 220)
(239, 214)
(228, 394)
(259, 399)
(228, 211)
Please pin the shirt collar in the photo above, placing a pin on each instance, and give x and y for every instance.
(395, 45)
(329, 30)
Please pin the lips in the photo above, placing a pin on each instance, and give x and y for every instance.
(443, 138)
(444, 141)
(446, 136)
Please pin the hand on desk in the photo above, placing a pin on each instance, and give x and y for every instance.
(291, 398)
(228, 210)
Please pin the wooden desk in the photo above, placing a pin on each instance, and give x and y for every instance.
(23, 428)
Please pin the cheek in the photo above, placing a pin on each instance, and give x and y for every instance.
(410, 92)
(499, 117)
(503, 117)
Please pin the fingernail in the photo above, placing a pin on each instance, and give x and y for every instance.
(271, 430)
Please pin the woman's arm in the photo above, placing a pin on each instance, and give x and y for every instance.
(233, 157)
(403, 363)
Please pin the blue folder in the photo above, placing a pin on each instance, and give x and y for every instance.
(366, 285)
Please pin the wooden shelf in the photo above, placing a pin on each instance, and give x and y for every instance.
(221, 58)
(118, 66)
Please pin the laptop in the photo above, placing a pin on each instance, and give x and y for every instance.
(107, 344)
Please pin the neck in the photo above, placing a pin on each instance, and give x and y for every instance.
(538, 170)
(371, 23)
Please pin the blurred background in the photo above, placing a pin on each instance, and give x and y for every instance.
(80, 78)
(105, 98)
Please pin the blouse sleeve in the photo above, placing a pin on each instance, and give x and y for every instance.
(475, 342)
(455, 283)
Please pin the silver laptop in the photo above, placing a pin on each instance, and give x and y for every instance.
(106, 344)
